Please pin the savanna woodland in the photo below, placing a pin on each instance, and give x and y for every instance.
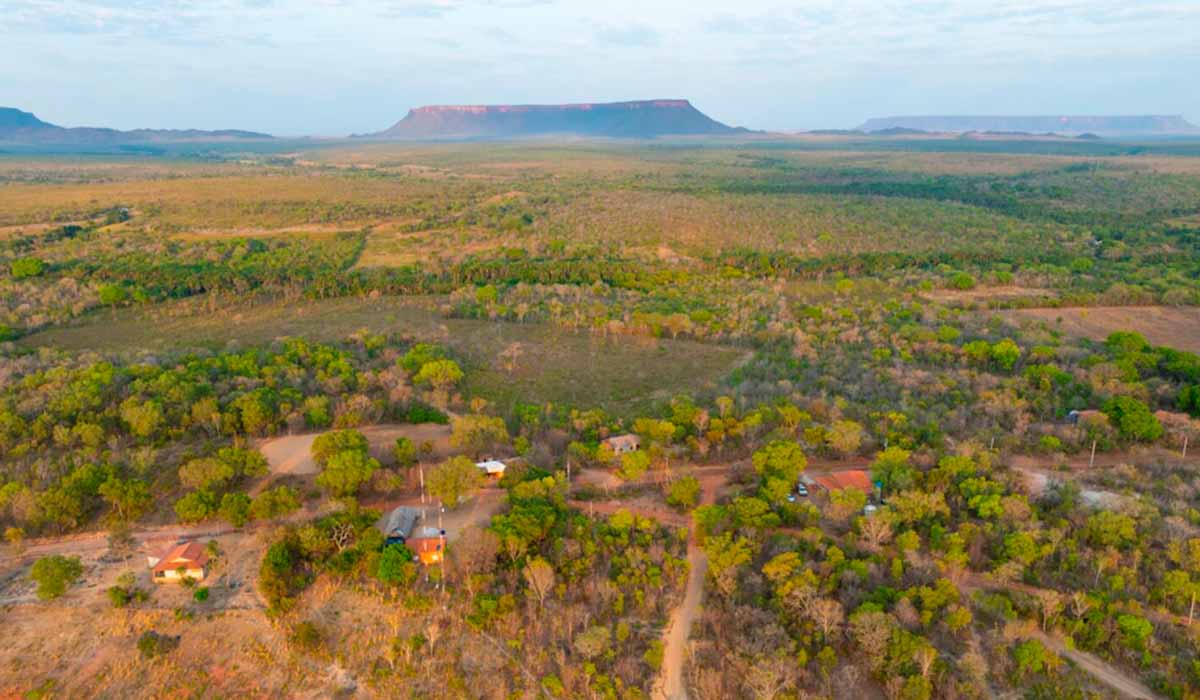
(810, 417)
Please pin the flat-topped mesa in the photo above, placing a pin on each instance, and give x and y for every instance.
(1129, 125)
(635, 119)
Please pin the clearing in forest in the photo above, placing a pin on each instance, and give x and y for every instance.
(1176, 327)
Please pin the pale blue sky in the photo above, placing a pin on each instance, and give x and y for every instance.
(331, 67)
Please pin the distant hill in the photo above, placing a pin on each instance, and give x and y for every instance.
(23, 127)
(640, 119)
(1147, 125)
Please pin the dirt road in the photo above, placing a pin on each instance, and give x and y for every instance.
(671, 685)
(1112, 677)
(1107, 674)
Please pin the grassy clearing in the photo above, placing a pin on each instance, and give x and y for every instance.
(1176, 327)
(622, 374)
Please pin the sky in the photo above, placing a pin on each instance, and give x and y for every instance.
(333, 67)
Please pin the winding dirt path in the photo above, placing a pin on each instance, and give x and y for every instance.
(670, 685)
(1101, 671)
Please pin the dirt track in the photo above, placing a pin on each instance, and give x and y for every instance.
(292, 454)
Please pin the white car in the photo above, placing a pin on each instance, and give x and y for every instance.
(801, 490)
(869, 509)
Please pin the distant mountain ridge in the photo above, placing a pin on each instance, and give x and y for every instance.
(23, 127)
(636, 119)
(1147, 125)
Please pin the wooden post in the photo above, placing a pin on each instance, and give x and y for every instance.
(1185, 443)
(1092, 459)
(421, 471)
(1192, 609)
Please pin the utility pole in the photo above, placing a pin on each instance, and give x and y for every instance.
(1185, 443)
(421, 471)
(1092, 459)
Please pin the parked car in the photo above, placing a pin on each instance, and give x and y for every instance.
(801, 490)
(869, 509)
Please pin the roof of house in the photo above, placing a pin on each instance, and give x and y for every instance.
(400, 522)
(188, 555)
(852, 479)
(492, 466)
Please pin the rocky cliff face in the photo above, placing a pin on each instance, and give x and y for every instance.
(1146, 125)
(23, 127)
(640, 119)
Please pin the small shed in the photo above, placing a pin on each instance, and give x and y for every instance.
(428, 543)
(186, 560)
(398, 525)
(1086, 416)
(620, 444)
(492, 467)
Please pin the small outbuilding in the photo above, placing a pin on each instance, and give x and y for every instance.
(494, 468)
(428, 544)
(620, 444)
(399, 525)
(1086, 416)
(186, 560)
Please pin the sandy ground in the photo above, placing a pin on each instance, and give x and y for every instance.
(292, 454)
(1177, 327)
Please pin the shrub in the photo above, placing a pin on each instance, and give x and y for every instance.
(23, 268)
(54, 574)
(152, 644)
(1133, 419)
(962, 280)
(684, 493)
(307, 636)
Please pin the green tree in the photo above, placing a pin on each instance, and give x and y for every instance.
(235, 508)
(726, 556)
(1005, 354)
(453, 479)
(274, 503)
(892, 469)
(54, 574)
(335, 442)
(782, 459)
(478, 434)
(684, 492)
(196, 506)
(206, 473)
(1031, 657)
(634, 465)
(23, 268)
(346, 472)
(845, 437)
(130, 498)
(1108, 529)
(112, 295)
(142, 417)
(439, 375)
(405, 452)
(396, 566)
(420, 355)
(1133, 419)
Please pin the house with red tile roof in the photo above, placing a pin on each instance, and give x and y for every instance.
(184, 560)
(850, 479)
